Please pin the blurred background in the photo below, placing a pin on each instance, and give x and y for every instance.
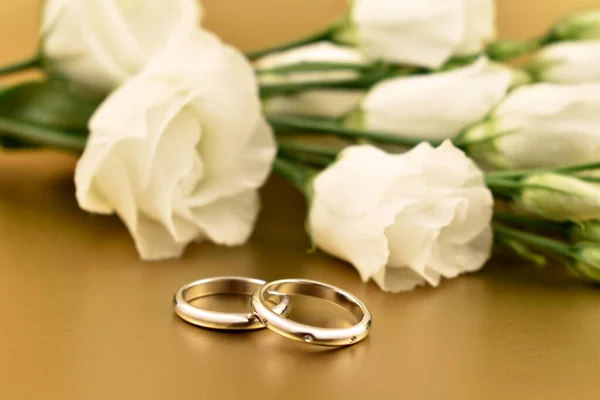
(250, 24)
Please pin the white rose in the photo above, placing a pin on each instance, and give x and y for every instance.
(403, 219)
(100, 43)
(567, 62)
(179, 151)
(425, 32)
(587, 263)
(542, 125)
(438, 105)
(322, 103)
(561, 197)
(319, 52)
(585, 231)
(580, 25)
(479, 27)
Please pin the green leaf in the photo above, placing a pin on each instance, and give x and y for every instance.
(523, 251)
(52, 104)
(533, 240)
(313, 125)
(306, 66)
(23, 65)
(11, 143)
(19, 134)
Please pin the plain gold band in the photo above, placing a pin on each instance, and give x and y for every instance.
(221, 320)
(307, 333)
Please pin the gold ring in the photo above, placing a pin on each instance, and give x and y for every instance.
(221, 320)
(307, 333)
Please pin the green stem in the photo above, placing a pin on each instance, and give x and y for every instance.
(298, 175)
(540, 242)
(369, 77)
(530, 222)
(282, 89)
(493, 183)
(313, 67)
(311, 160)
(505, 185)
(307, 153)
(518, 173)
(312, 38)
(315, 126)
(41, 136)
(32, 62)
(521, 249)
(462, 142)
(508, 50)
(294, 146)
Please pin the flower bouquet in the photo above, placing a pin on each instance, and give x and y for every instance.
(419, 141)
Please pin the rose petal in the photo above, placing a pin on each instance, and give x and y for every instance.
(438, 105)
(480, 26)
(100, 43)
(396, 280)
(407, 32)
(321, 103)
(366, 167)
(550, 125)
(472, 214)
(170, 165)
(153, 242)
(229, 221)
(451, 259)
(414, 233)
(250, 171)
(359, 240)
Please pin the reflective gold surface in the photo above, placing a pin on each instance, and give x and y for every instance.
(82, 318)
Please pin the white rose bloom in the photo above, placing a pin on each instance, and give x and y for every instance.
(320, 52)
(322, 103)
(561, 198)
(179, 151)
(544, 125)
(425, 32)
(567, 62)
(100, 43)
(403, 219)
(438, 105)
(479, 27)
(580, 25)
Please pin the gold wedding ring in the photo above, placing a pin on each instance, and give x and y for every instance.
(307, 333)
(221, 320)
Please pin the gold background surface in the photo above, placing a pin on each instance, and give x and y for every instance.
(82, 318)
